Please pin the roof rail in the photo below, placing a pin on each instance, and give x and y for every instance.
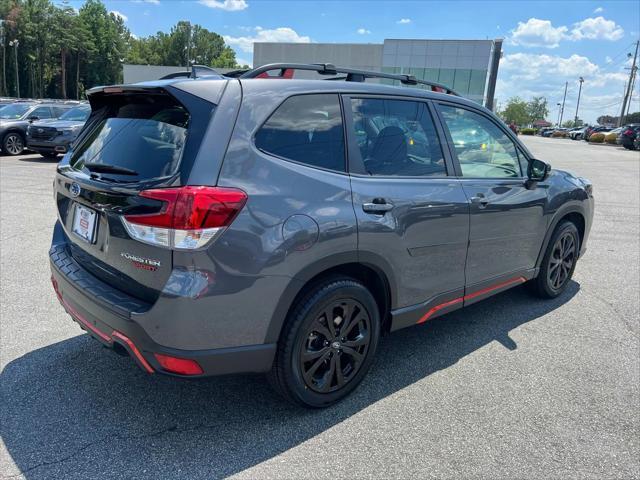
(353, 75)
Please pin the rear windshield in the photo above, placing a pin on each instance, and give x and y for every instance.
(142, 134)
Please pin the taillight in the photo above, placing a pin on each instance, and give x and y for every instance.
(629, 132)
(190, 217)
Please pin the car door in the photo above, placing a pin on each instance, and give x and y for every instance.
(410, 212)
(507, 223)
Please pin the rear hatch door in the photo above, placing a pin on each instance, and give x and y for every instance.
(135, 139)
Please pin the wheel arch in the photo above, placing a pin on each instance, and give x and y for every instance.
(371, 270)
(573, 212)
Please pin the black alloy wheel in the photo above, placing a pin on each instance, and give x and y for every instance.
(327, 344)
(559, 261)
(335, 346)
(563, 257)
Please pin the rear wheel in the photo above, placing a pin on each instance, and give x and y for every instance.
(559, 262)
(328, 343)
(13, 143)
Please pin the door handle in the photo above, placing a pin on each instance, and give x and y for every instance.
(379, 206)
(480, 200)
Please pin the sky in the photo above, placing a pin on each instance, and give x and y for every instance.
(546, 43)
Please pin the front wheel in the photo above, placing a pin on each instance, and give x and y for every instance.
(328, 343)
(13, 143)
(559, 262)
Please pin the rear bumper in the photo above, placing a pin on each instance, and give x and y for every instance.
(90, 303)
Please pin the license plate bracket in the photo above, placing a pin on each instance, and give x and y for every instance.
(84, 223)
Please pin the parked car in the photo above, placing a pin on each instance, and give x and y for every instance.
(628, 135)
(545, 132)
(591, 130)
(211, 226)
(16, 117)
(636, 142)
(576, 133)
(53, 137)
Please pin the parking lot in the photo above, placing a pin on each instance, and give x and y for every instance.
(512, 387)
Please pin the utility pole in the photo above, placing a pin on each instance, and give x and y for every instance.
(559, 110)
(566, 84)
(633, 81)
(14, 44)
(575, 120)
(628, 91)
(3, 85)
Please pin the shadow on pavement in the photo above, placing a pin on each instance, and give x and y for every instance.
(75, 410)
(39, 159)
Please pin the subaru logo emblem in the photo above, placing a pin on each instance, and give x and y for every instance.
(74, 189)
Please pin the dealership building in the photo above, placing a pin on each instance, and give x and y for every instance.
(470, 67)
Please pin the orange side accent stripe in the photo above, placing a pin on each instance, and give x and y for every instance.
(134, 349)
(455, 301)
(74, 313)
(433, 310)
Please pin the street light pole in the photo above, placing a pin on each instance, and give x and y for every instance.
(14, 44)
(575, 120)
(566, 84)
(559, 110)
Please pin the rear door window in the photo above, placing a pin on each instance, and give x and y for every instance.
(42, 113)
(306, 129)
(144, 134)
(396, 138)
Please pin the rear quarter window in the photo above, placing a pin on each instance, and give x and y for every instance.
(306, 129)
(142, 133)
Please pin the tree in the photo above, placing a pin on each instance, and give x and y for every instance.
(569, 124)
(515, 111)
(537, 109)
(185, 43)
(606, 119)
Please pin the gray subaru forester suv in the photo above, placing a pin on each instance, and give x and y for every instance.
(273, 224)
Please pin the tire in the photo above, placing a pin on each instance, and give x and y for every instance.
(627, 146)
(331, 359)
(555, 274)
(13, 144)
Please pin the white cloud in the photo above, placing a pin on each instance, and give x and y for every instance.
(541, 33)
(597, 28)
(119, 15)
(608, 59)
(598, 10)
(228, 5)
(404, 21)
(281, 34)
(527, 75)
(538, 33)
(363, 31)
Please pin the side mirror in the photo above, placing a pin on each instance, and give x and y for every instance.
(538, 171)
(33, 118)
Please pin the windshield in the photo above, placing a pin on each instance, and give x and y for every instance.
(77, 114)
(13, 112)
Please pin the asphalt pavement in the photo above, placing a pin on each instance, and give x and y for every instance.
(512, 387)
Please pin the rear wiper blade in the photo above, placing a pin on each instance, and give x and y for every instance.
(106, 168)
